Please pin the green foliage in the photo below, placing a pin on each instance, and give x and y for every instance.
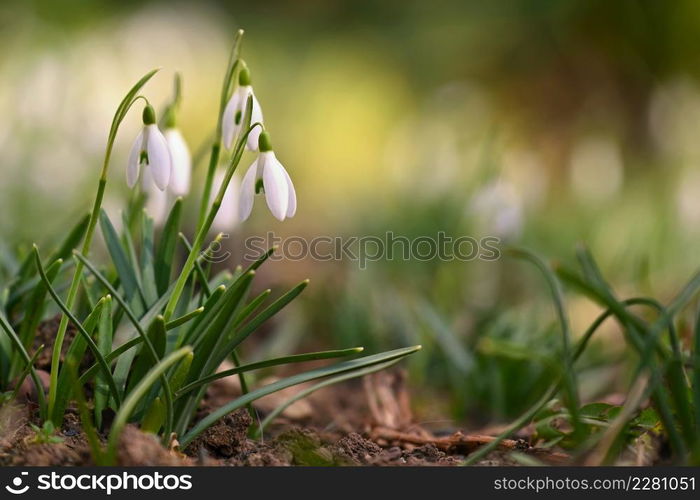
(156, 330)
(46, 434)
(662, 375)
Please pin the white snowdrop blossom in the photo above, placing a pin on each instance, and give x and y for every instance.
(181, 162)
(267, 174)
(232, 118)
(158, 203)
(150, 149)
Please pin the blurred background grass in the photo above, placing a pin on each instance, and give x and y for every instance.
(542, 122)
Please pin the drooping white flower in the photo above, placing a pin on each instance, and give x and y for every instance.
(231, 121)
(227, 216)
(150, 149)
(267, 174)
(181, 162)
(158, 203)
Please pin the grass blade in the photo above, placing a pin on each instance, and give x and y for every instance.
(184, 319)
(148, 277)
(331, 381)
(285, 360)
(91, 343)
(327, 371)
(132, 400)
(104, 343)
(38, 386)
(570, 385)
(25, 372)
(149, 345)
(165, 252)
(120, 259)
(34, 310)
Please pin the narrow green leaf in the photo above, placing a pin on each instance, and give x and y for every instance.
(132, 400)
(104, 343)
(326, 371)
(154, 418)
(252, 306)
(119, 257)
(25, 371)
(73, 358)
(199, 271)
(34, 311)
(38, 386)
(570, 384)
(310, 390)
(205, 345)
(144, 360)
(165, 254)
(184, 319)
(91, 343)
(180, 374)
(89, 429)
(285, 360)
(186, 337)
(148, 277)
(248, 328)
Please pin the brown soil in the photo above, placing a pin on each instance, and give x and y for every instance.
(364, 422)
(46, 335)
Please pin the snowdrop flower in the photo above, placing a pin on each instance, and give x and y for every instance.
(233, 113)
(227, 216)
(181, 162)
(150, 148)
(267, 174)
(158, 203)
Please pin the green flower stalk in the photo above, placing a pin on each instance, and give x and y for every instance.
(226, 90)
(122, 110)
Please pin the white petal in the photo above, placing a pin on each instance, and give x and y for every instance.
(228, 120)
(158, 157)
(133, 167)
(292, 203)
(255, 117)
(247, 196)
(147, 183)
(181, 162)
(227, 216)
(157, 203)
(275, 184)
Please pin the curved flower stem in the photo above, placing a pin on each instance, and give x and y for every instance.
(119, 116)
(204, 227)
(216, 146)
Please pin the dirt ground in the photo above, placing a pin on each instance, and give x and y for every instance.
(367, 423)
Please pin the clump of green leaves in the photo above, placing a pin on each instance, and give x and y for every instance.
(156, 330)
(667, 372)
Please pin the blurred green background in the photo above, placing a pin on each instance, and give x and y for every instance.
(542, 122)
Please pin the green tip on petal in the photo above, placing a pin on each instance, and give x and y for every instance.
(244, 76)
(149, 115)
(264, 142)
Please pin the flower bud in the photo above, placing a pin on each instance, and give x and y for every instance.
(264, 143)
(149, 115)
